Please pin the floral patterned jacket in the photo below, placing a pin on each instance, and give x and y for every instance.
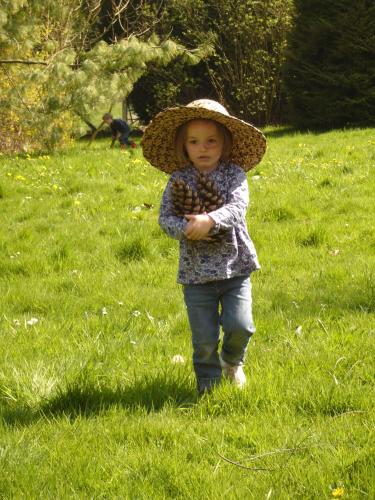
(234, 255)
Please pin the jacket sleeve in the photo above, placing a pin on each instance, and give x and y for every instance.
(171, 224)
(234, 210)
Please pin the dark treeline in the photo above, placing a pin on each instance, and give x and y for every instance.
(307, 63)
(303, 62)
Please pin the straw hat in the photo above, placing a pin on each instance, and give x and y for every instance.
(249, 144)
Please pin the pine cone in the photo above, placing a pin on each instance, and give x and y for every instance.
(209, 194)
(188, 201)
(185, 199)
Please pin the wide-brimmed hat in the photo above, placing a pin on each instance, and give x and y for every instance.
(249, 144)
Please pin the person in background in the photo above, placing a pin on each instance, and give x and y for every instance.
(120, 131)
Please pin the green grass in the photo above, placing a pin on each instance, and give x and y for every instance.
(92, 405)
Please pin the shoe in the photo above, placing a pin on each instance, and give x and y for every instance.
(233, 373)
(133, 144)
(123, 146)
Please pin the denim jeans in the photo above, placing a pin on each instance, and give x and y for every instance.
(124, 138)
(226, 303)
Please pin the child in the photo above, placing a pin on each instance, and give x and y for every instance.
(120, 130)
(188, 141)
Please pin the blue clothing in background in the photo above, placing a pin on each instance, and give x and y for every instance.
(119, 126)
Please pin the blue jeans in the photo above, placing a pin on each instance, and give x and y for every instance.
(226, 303)
(124, 138)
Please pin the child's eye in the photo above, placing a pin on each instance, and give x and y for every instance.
(192, 141)
(212, 141)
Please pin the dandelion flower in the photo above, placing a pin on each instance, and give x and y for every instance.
(338, 492)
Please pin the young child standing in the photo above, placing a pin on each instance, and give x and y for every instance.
(195, 142)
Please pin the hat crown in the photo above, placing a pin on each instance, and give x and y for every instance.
(208, 104)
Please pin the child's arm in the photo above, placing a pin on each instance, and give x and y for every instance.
(234, 211)
(171, 224)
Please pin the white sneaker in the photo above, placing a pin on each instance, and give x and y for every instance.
(234, 373)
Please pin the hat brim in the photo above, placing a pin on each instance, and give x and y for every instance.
(158, 142)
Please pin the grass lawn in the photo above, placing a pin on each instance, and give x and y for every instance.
(92, 404)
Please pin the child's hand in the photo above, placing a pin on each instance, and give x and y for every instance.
(198, 226)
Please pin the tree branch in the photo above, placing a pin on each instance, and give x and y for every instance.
(22, 61)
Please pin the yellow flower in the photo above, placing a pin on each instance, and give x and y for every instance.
(338, 492)
(20, 178)
(77, 202)
(55, 187)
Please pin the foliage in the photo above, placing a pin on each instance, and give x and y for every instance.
(162, 87)
(244, 69)
(91, 403)
(177, 82)
(250, 44)
(75, 74)
(329, 78)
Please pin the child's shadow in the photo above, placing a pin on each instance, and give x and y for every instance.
(87, 399)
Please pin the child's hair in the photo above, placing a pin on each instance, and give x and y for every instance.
(107, 116)
(180, 139)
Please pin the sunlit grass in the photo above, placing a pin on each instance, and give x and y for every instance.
(92, 401)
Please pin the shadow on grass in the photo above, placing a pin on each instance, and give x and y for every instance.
(289, 130)
(280, 132)
(87, 399)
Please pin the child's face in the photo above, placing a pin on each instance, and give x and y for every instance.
(204, 144)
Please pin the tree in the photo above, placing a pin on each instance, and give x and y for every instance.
(250, 44)
(329, 74)
(59, 69)
(243, 70)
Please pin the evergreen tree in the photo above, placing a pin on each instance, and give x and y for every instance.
(330, 73)
(58, 69)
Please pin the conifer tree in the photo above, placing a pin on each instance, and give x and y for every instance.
(57, 69)
(330, 73)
